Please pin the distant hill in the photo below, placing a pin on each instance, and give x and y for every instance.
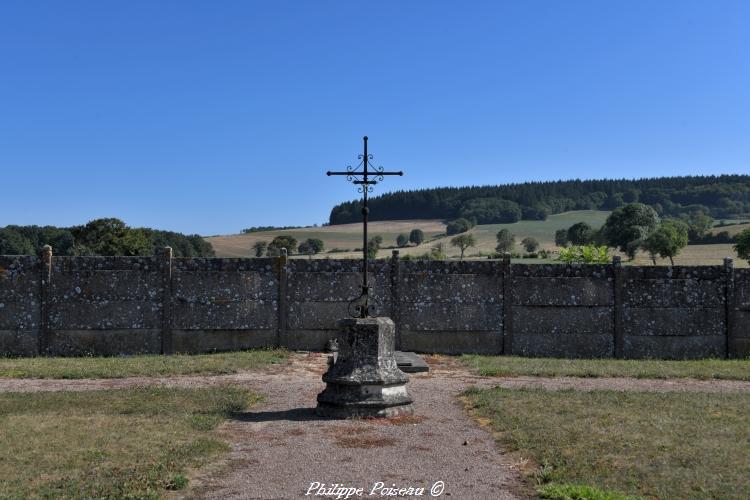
(341, 240)
(722, 197)
(345, 238)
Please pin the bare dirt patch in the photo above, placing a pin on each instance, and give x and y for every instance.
(364, 441)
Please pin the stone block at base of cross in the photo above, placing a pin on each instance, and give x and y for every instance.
(365, 381)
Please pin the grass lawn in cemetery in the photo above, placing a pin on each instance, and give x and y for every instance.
(608, 444)
(513, 366)
(135, 443)
(139, 366)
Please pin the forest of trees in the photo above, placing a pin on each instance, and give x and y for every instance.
(100, 237)
(722, 197)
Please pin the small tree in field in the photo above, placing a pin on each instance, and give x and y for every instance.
(458, 226)
(530, 244)
(416, 236)
(505, 241)
(667, 240)
(463, 241)
(580, 234)
(743, 245)
(311, 246)
(279, 242)
(561, 238)
(650, 247)
(260, 248)
(627, 227)
(402, 240)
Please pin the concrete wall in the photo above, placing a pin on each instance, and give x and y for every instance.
(565, 311)
(676, 312)
(102, 305)
(20, 299)
(450, 307)
(223, 304)
(318, 293)
(739, 314)
(126, 305)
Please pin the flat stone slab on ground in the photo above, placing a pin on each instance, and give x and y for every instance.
(410, 362)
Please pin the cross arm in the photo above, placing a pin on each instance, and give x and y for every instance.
(373, 173)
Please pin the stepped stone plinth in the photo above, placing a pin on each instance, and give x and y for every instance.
(365, 380)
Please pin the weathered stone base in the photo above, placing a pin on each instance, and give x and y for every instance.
(363, 411)
(365, 381)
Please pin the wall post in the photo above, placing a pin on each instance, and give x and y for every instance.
(46, 280)
(166, 300)
(731, 344)
(617, 312)
(396, 296)
(505, 268)
(281, 331)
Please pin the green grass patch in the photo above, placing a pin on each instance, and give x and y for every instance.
(513, 366)
(134, 443)
(577, 492)
(139, 366)
(600, 443)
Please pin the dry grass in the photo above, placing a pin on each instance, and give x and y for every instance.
(340, 236)
(350, 235)
(512, 366)
(109, 444)
(139, 366)
(697, 255)
(402, 420)
(733, 229)
(359, 441)
(669, 445)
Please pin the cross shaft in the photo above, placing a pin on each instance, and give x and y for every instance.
(362, 178)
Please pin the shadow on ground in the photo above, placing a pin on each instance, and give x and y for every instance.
(293, 415)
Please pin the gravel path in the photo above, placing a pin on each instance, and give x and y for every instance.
(280, 448)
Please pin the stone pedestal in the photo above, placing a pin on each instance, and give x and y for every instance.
(365, 381)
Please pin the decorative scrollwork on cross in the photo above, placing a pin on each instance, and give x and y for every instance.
(363, 305)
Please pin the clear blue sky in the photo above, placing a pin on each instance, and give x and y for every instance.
(210, 117)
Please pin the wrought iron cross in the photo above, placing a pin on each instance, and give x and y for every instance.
(360, 307)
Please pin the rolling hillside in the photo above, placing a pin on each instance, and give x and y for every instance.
(349, 236)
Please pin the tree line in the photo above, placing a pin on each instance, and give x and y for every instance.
(637, 227)
(724, 196)
(107, 236)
